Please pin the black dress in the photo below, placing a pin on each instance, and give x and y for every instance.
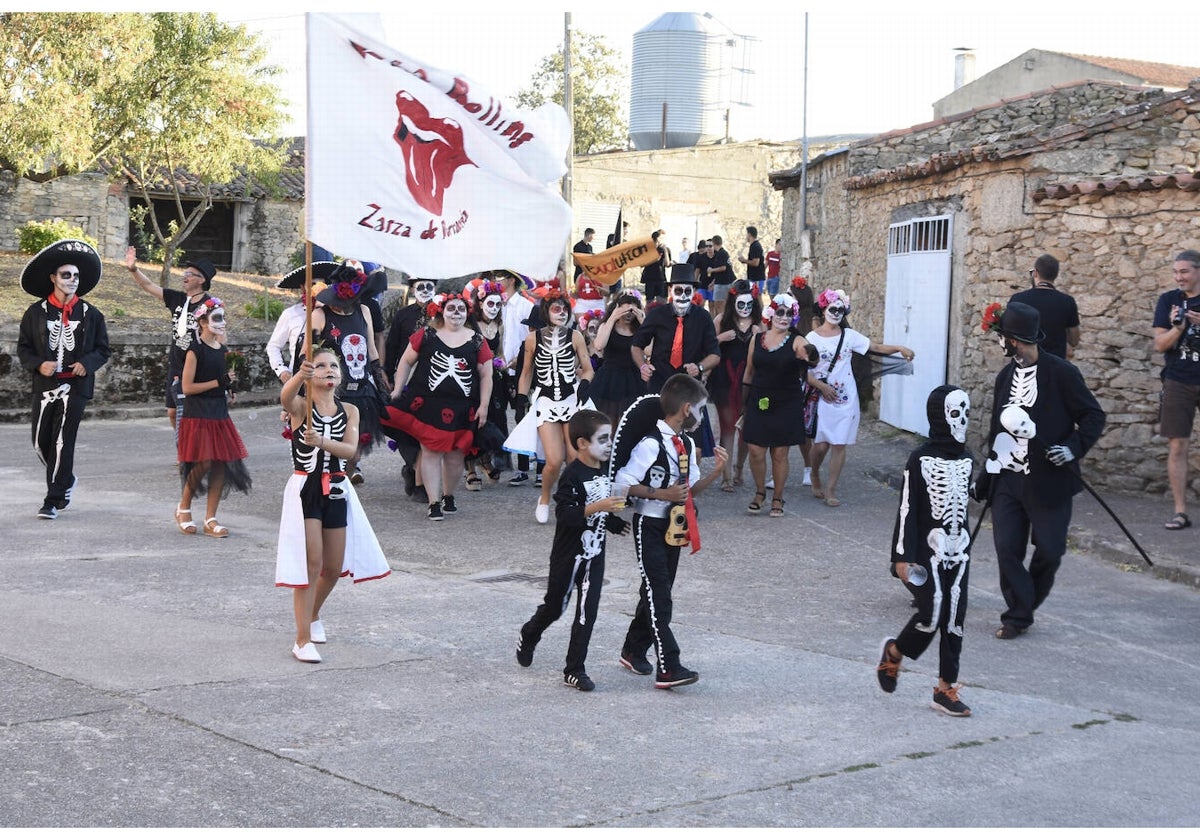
(775, 411)
(617, 382)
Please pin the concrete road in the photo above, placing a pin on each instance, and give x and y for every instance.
(146, 677)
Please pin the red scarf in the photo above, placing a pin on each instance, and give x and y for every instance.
(65, 307)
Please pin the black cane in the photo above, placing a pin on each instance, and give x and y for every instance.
(1116, 519)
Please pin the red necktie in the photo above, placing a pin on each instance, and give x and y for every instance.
(677, 345)
(689, 505)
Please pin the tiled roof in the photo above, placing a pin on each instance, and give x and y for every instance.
(1186, 181)
(290, 183)
(1150, 72)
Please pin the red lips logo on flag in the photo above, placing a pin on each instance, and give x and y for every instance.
(433, 151)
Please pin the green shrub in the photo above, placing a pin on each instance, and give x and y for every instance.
(148, 246)
(265, 307)
(34, 236)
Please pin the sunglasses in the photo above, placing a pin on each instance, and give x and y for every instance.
(67, 275)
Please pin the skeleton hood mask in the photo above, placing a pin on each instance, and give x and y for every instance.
(948, 409)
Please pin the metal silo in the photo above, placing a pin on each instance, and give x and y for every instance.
(681, 59)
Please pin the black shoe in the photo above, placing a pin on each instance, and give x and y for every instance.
(420, 494)
(675, 677)
(66, 499)
(47, 512)
(947, 702)
(435, 512)
(448, 505)
(888, 668)
(518, 479)
(579, 680)
(524, 651)
(410, 479)
(637, 663)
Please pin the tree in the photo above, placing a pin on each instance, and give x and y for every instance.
(598, 85)
(175, 103)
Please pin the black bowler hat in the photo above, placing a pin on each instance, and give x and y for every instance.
(294, 279)
(35, 277)
(1021, 322)
(682, 274)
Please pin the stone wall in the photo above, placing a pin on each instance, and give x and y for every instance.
(268, 233)
(86, 200)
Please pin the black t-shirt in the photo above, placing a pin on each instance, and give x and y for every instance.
(699, 263)
(756, 273)
(581, 247)
(1181, 362)
(720, 258)
(1058, 313)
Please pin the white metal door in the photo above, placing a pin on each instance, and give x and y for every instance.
(917, 315)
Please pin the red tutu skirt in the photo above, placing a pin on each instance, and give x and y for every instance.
(203, 439)
(431, 437)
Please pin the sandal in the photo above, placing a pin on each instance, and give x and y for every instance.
(776, 507)
(832, 502)
(214, 528)
(1178, 522)
(755, 505)
(727, 485)
(187, 526)
(474, 482)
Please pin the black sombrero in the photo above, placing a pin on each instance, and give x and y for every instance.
(35, 278)
(294, 279)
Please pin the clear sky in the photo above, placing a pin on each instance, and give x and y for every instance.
(872, 66)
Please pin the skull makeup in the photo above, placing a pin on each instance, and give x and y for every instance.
(354, 353)
(600, 444)
(958, 412)
(695, 415)
(681, 298)
(559, 314)
(491, 307)
(423, 291)
(1017, 422)
(454, 312)
(744, 305)
(66, 281)
(835, 314)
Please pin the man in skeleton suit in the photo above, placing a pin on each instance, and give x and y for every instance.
(1033, 470)
(929, 548)
(62, 343)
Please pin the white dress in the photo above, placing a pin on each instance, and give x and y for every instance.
(837, 422)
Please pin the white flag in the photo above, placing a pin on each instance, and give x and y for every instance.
(423, 170)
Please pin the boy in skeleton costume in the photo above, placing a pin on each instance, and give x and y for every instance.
(929, 548)
(323, 532)
(651, 450)
(1034, 468)
(62, 342)
(584, 512)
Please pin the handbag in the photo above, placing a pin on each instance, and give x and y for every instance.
(812, 397)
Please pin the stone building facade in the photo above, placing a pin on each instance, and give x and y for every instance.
(1099, 175)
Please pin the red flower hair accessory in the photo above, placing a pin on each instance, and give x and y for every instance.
(991, 316)
(799, 282)
(207, 307)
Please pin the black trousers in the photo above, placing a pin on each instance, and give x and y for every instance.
(658, 563)
(569, 573)
(1015, 516)
(57, 412)
(941, 608)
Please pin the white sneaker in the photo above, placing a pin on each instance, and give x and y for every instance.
(308, 653)
(770, 485)
(807, 482)
(316, 632)
(542, 513)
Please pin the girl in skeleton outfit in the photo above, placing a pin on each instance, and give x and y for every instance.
(617, 382)
(736, 325)
(488, 301)
(323, 532)
(837, 419)
(62, 342)
(210, 449)
(451, 376)
(344, 323)
(584, 513)
(929, 548)
(557, 367)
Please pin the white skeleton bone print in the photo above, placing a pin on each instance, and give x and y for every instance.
(946, 483)
(333, 428)
(1012, 452)
(443, 366)
(591, 540)
(555, 369)
(62, 339)
(63, 393)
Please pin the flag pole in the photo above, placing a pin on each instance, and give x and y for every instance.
(308, 314)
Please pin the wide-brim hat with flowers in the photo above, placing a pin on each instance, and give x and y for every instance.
(294, 279)
(347, 285)
(35, 277)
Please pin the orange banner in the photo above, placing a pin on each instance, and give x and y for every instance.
(607, 267)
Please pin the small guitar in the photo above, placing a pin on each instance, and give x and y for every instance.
(677, 526)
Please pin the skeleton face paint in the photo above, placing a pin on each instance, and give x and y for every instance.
(835, 314)
(326, 370)
(491, 306)
(695, 415)
(600, 444)
(216, 322)
(681, 299)
(744, 305)
(66, 281)
(423, 291)
(559, 314)
(958, 411)
(454, 313)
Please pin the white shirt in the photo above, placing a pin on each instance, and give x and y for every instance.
(516, 309)
(643, 457)
(288, 329)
